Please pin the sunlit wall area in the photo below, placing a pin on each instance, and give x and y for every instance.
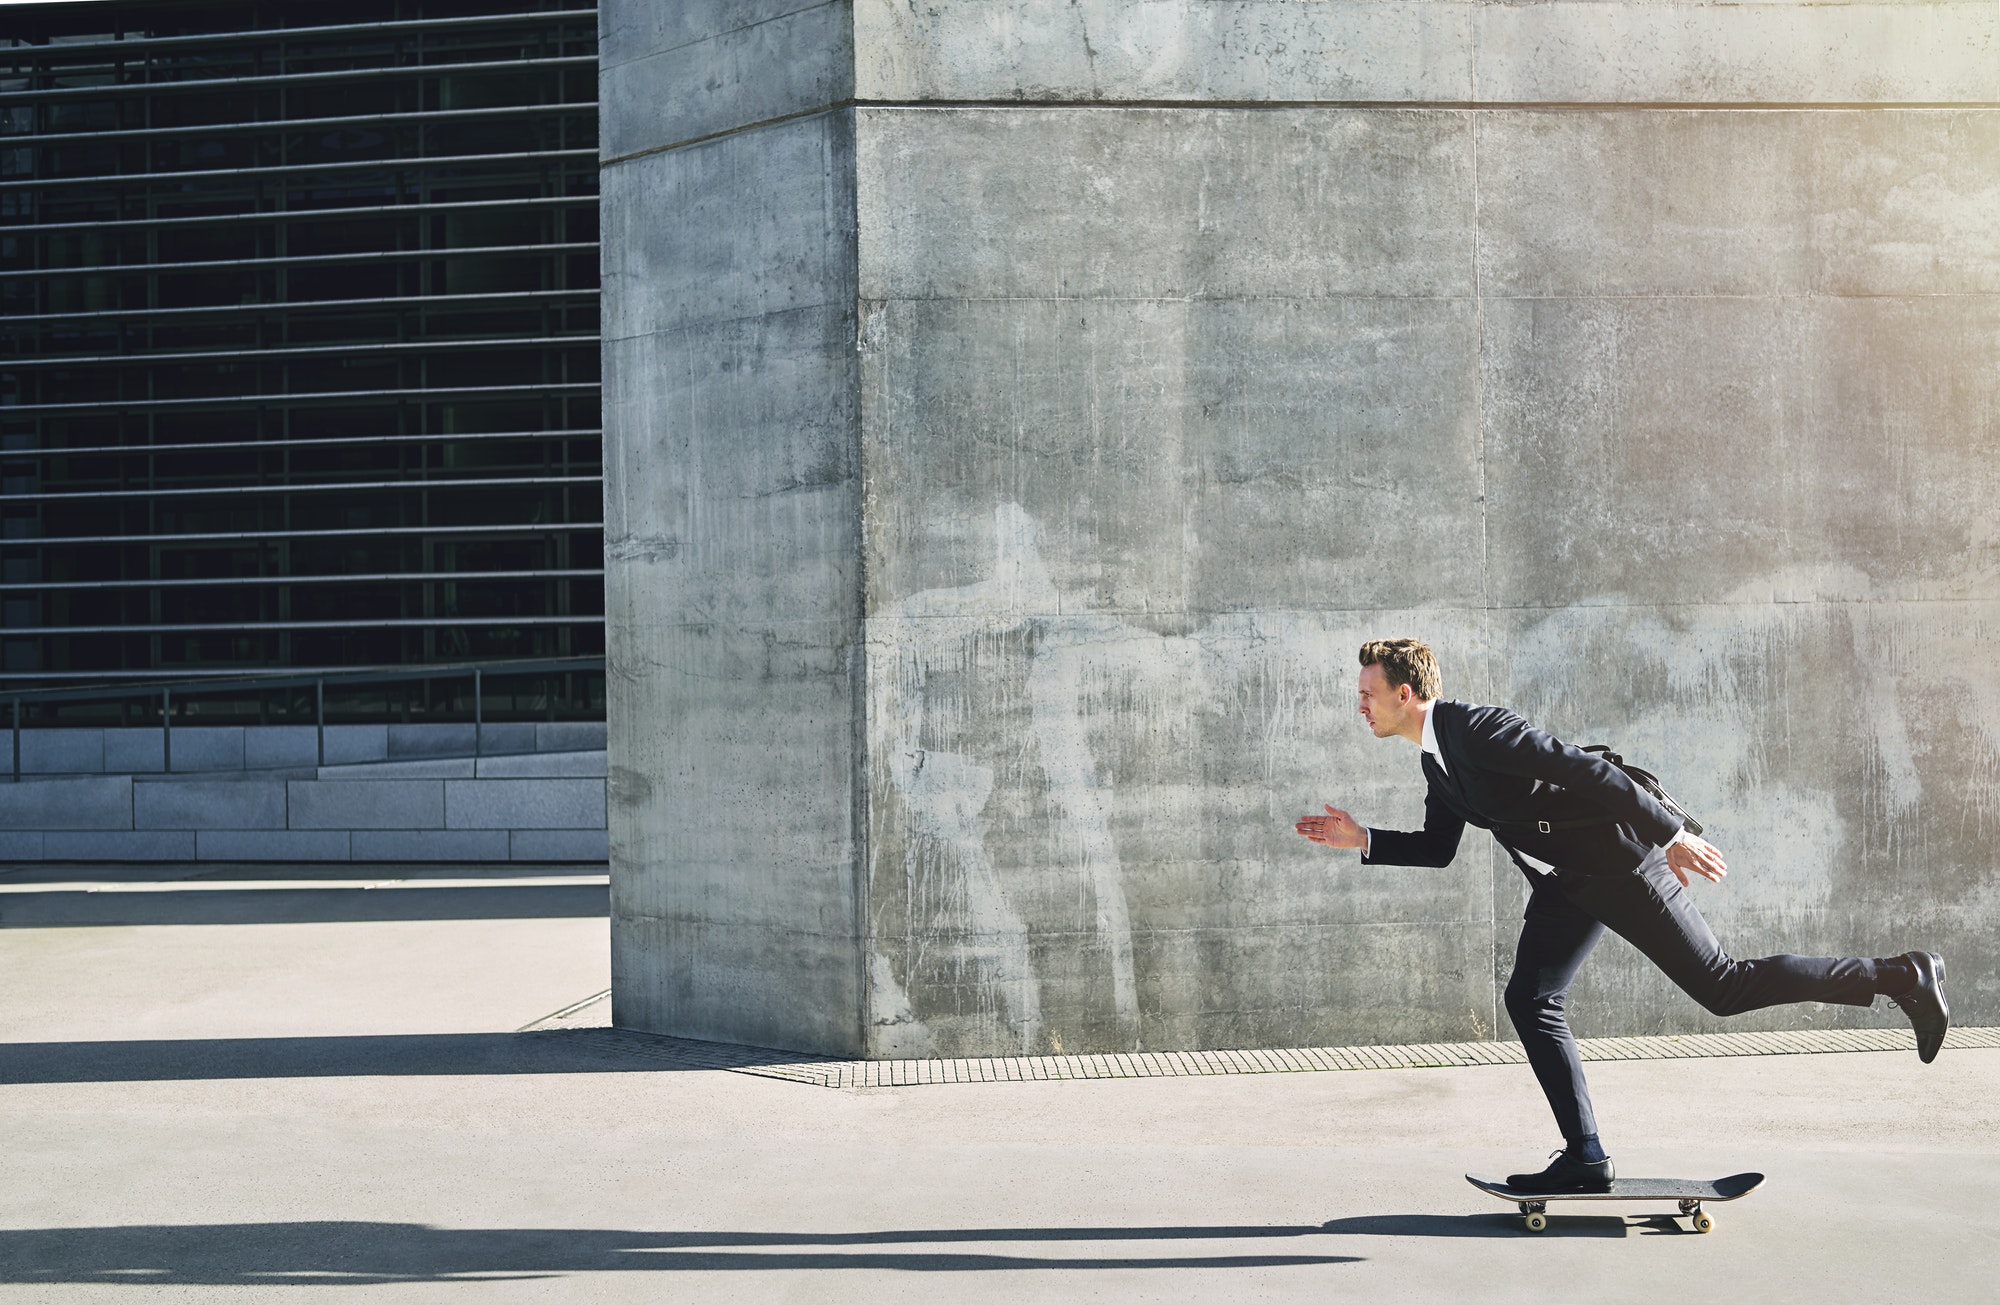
(1005, 467)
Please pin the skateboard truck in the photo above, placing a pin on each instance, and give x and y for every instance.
(1536, 1215)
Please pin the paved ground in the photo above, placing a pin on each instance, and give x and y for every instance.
(296, 1079)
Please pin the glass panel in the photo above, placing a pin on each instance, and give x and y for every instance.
(259, 301)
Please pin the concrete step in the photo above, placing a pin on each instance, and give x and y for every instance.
(472, 811)
(222, 749)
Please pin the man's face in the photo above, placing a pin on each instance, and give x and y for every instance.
(1384, 706)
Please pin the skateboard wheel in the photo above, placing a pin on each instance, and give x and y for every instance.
(1538, 1221)
(1704, 1221)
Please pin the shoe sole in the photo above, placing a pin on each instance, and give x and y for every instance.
(1937, 963)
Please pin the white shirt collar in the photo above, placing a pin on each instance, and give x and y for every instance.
(1430, 742)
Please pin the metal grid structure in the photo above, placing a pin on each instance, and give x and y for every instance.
(300, 361)
(583, 1025)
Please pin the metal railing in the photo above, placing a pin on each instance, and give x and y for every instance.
(108, 89)
(166, 693)
(124, 45)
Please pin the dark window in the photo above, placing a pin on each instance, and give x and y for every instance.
(300, 368)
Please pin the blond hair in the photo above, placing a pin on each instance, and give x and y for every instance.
(1405, 661)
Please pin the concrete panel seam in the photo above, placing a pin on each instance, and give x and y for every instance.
(714, 36)
(627, 916)
(712, 323)
(834, 107)
(1460, 609)
(1467, 106)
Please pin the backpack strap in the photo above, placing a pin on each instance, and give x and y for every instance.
(1645, 779)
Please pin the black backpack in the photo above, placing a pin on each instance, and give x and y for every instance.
(1645, 779)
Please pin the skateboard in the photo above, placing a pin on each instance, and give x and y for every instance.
(1690, 1192)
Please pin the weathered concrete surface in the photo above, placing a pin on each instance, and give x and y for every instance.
(1487, 51)
(1005, 462)
(732, 509)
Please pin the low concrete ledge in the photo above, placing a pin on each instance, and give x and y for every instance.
(269, 746)
(62, 752)
(127, 751)
(570, 736)
(242, 817)
(524, 803)
(209, 804)
(87, 802)
(546, 765)
(559, 845)
(119, 845)
(434, 768)
(216, 749)
(207, 747)
(366, 804)
(526, 765)
(270, 845)
(429, 845)
(359, 846)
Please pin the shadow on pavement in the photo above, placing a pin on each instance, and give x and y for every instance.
(1476, 1225)
(354, 1253)
(544, 1051)
(72, 908)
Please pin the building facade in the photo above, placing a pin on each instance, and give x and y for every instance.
(299, 366)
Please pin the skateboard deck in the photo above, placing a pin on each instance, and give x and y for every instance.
(1690, 1193)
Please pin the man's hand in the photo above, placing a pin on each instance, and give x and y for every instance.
(1334, 829)
(1690, 854)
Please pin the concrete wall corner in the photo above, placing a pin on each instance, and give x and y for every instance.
(731, 522)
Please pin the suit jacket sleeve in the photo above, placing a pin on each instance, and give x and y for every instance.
(1509, 745)
(1435, 845)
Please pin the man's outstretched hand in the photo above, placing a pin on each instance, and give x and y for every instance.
(1691, 855)
(1334, 829)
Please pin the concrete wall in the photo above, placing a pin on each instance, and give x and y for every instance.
(732, 522)
(997, 498)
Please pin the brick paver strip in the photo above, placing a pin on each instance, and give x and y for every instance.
(827, 1071)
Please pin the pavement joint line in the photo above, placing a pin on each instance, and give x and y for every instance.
(834, 1072)
(565, 1012)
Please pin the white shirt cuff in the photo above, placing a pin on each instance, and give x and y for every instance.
(1367, 839)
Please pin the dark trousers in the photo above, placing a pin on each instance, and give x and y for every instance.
(1649, 909)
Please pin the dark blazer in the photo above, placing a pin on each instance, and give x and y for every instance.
(1500, 770)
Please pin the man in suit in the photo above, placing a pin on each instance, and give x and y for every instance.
(1599, 852)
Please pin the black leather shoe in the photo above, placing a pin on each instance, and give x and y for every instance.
(1566, 1175)
(1929, 1012)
